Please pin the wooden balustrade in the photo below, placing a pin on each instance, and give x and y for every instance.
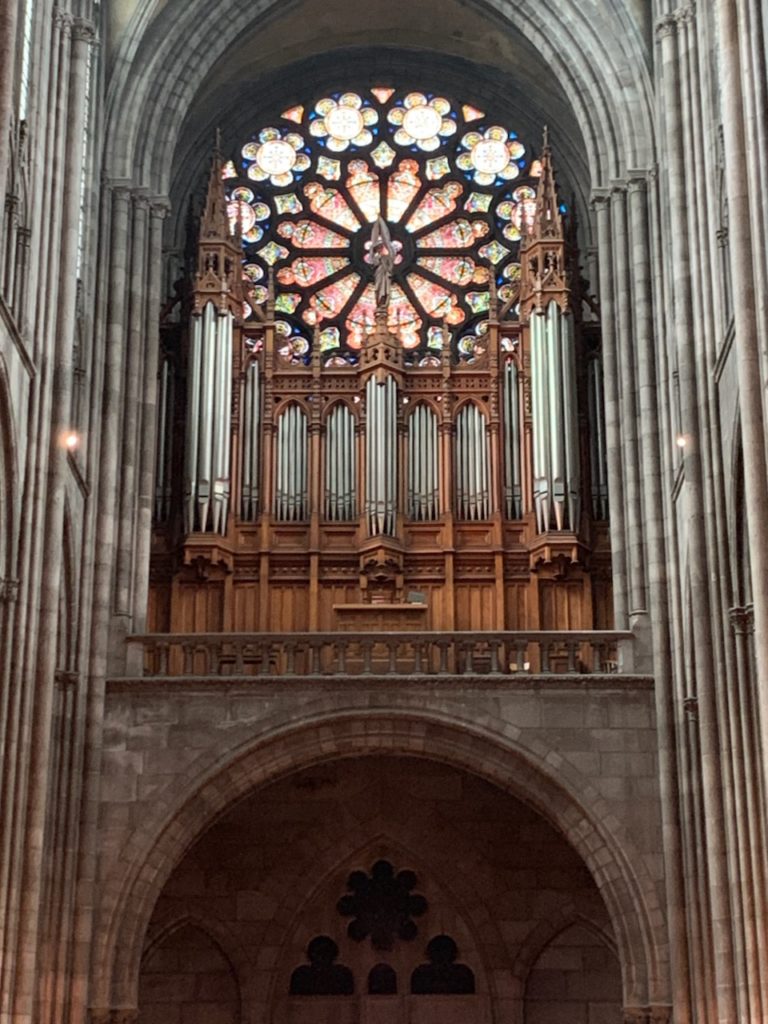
(290, 655)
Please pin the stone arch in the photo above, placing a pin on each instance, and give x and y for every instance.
(546, 931)
(574, 980)
(601, 63)
(213, 935)
(539, 777)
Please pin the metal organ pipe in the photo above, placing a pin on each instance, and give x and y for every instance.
(556, 472)
(291, 502)
(471, 464)
(513, 492)
(209, 406)
(251, 435)
(381, 456)
(340, 475)
(423, 481)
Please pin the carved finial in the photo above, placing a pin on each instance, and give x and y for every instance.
(545, 141)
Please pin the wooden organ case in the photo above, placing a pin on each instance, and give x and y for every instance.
(469, 494)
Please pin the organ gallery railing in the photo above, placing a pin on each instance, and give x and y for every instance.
(484, 654)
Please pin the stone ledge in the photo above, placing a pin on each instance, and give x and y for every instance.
(522, 683)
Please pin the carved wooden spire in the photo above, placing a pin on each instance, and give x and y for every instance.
(543, 253)
(218, 277)
(548, 221)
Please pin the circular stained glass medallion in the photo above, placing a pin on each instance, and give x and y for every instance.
(344, 122)
(422, 122)
(490, 156)
(276, 157)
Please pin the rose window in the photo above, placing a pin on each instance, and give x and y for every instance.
(455, 190)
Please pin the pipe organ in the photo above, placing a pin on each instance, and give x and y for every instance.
(292, 485)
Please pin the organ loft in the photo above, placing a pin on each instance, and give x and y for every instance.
(380, 392)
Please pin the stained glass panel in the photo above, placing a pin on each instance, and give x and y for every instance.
(308, 234)
(458, 234)
(436, 300)
(331, 204)
(456, 269)
(435, 205)
(329, 302)
(364, 188)
(403, 187)
(309, 270)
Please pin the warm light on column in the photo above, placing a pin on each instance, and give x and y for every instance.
(71, 440)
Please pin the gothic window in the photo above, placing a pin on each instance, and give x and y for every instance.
(382, 981)
(322, 976)
(442, 975)
(382, 905)
(454, 188)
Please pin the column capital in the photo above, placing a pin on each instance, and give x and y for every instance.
(9, 590)
(161, 206)
(742, 619)
(637, 182)
(600, 199)
(666, 26)
(685, 15)
(83, 30)
(141, 200)
(62, 20)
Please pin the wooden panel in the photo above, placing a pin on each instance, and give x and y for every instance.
(562, 605)
(475, 605)
(199, 608)
(246, 607)
(335, 593)
(288, 608)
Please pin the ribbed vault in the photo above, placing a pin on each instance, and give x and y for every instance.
(585, 72)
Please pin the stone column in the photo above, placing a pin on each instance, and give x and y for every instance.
(148, 416)
(715, 880)
(658, 583)
(602, 206)
(131, 425)
(625, 352)
(747, 337)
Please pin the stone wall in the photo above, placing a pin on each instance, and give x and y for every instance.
(179, 755)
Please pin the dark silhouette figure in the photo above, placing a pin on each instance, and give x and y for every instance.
(321, 976)
(442, 976)
(382, 981)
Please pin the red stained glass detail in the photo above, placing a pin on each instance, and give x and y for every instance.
(308, 234)
(331, 300)
(364, 188)
(330, 204)
(308, 270)
(402, 188)
(402, 318)
(458, 234)
(437, 203)
(381, 94)
(436, 300)
(456, 269)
